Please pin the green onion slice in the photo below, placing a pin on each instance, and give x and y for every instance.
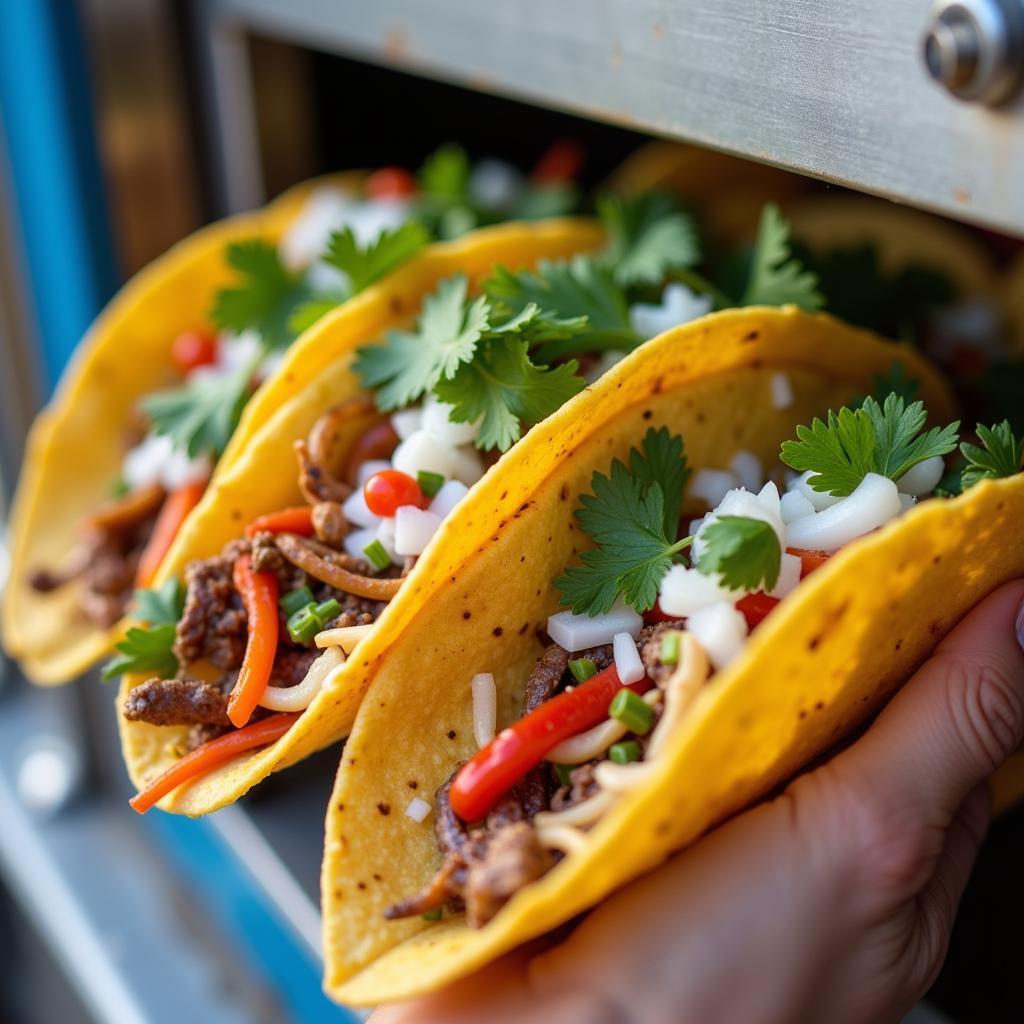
(625, 752)
(582, 669)
(295, 600)
(376, 555)
(632, 711)
(669, 654)
(430, 483)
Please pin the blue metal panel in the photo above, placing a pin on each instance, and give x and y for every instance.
(51, 150)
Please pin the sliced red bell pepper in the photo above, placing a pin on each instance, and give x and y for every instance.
(210, 755)
(258, 591)
(286, 520)
(482, 780)
(173, 513)
(809, 559)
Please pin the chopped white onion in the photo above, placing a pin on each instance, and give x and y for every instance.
(683, 590)
(368, 468)
(386, 535)
(485, 707)
(795, 506)
(437, 422)
(413, 529)
(495, 184)
(448, 496)
(180, 470)
(356, 541)
(578, 632)
(923, 478)
(720, 629)
(236, 352)
(628, 665)
(770, 500)
(748, 469)
(818, 499)
(357, 511)
(782, 391)
(712, 485)
(764, 506)
(418, 809)
(790, 567)
(469, 465)
(324, 211)
(679, 305)
(299, 697)
(907, 501)
(872, 504)
(419, 451)
(406, 422)
(143, 465)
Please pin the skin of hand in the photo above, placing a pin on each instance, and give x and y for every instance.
(834, 901)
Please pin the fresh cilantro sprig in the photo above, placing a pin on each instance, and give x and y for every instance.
(744, 552)
(200, 416)
(265, 296)
(885, 439)
(776, 276)
(150, 648)
(475, 353)
(632, 517)
(998, 456)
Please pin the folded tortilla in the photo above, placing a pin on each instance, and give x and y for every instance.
(828, 657)
(75, 447)
(257, 474)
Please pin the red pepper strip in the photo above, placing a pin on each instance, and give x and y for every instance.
(258, 591)
(377, 443)
(173, 513)
(481, 781)
(210, 755)
(810, 559)
(755, 607)
(286, 520)
(561, 162)
(655, 614)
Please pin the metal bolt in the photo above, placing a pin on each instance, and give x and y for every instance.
(975, 48)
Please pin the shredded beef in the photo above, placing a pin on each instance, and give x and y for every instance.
(582, 786)
(213, 625)
(649, 645)
(177, 702)
(514, 858)
(291, 665)
(329, 523)
(315, 481)
(546, 678)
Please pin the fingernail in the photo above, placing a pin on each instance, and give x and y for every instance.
(1020, 625)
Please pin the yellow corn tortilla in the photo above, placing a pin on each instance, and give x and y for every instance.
(75, 447)
(826, 658)
(259, 474)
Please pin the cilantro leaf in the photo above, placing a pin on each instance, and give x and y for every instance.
(201, 415)
(552, 199)
(160, 606)
(502, 388)
(144, 650)
(999, 456)
(364, 264)
(628, 518)
(579, 288)
(648, 236)
(266, 296)
(776, 277)
(445, 173)
(875, 438)
(410, 363)
(309, 312)
(839, 452)
(745, 552)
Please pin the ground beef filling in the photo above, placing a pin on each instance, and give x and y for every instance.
(213, 630)
(485, 864)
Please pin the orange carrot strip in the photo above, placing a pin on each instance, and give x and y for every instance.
(210, 755)
(174, 512)
(258, 591)
(286, 520)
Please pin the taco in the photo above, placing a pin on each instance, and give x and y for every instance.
(375, 427)
(152, 397)
(643, 695)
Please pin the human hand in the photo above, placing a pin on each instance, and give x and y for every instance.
(833, 902)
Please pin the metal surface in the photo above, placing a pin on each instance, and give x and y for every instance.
(827, 87)
(975, 48)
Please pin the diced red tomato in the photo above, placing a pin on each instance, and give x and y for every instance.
(376, 443)
(390, 183)
(655, 614)
(810, 560)
(193, 348)
(387, 491)
(756, 607)
(561, 161)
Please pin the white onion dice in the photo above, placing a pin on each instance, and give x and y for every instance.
(357, 511)
(678, 306)
(406, 422)
(437, 422)
(683, 590)
(764, 506)
(874, 502)
(712, 485)
(179, 469)
(782, 391)
(923, 478)
(748, 469)
(356, 541)
(413, 529)
(386, 535)
(795, 506)
(720, 629)
(818, 499)
(368, 468)
(790, 567)
(143, 465)
(418, 809)
(485, 707)
(578, 632)
(326, 210)
(495, 184)
(628, 665)
(448, 496)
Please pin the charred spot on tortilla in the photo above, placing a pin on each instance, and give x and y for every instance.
(497, 631)
(452, 734)
(384, 808)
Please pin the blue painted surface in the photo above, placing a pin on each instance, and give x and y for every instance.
(61, 209)
(61, 214)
